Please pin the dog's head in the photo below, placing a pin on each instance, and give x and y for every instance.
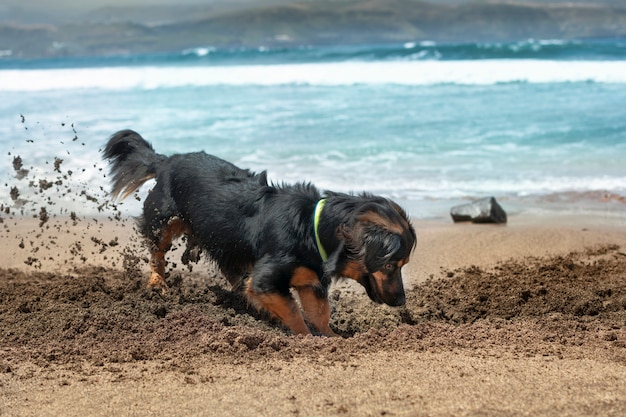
(377, 245)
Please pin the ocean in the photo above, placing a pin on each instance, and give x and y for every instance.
(537, 124)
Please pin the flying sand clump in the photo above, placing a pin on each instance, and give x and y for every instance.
(42, 191)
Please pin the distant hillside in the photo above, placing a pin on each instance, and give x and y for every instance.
(320, 22)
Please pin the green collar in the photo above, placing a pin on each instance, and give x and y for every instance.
(316, 223)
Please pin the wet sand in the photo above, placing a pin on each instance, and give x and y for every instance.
(523, 319)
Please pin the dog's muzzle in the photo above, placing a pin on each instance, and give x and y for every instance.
(382, 288)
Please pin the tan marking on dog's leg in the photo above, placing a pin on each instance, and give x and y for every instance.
(303, 277)
(317, 310)
(173, 229)
(283, 307)
(157, 265)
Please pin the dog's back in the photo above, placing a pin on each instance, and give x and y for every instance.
(134, 161)
(213, 197)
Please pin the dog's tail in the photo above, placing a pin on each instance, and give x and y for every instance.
(133, 161)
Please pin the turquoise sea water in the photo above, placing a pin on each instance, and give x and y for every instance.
(429, 125)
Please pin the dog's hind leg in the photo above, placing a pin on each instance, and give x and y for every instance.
(157, 265)
(172, 229)
(192, 253)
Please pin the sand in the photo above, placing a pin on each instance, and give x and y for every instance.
(523, 319)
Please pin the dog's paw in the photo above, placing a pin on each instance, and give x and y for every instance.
(156, 281)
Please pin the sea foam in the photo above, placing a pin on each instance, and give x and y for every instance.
(478, 72)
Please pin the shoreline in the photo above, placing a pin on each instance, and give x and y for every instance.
(597, 207)
(442, 245)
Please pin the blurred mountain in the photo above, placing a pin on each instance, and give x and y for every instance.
(139, 27)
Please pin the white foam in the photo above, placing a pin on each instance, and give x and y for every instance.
(200, 51)
(410, 180)
(477, 72)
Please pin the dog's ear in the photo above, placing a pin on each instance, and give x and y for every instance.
(389, 218)
(400, 210)
(350, 238)
(379, 246)
(346, 258)
(335, 262)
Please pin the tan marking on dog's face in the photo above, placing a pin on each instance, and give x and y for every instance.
(353, 270)
(379, 280)
(402, 262)
(377, 219)
(389, 289)
(303, 277)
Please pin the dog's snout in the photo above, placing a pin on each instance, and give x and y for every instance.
(390, 288)
(397, 300)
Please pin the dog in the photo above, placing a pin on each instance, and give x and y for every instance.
(265, 238)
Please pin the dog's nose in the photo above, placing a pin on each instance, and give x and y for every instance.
(398, 300)
(394, 291)
(395, 298)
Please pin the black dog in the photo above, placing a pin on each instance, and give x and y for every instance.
(264, 237)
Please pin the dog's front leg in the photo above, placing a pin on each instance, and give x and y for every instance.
(268, 288)
(313, 297)
(282, 306)
(315, 304)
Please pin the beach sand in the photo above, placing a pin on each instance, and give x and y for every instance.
(523, 319)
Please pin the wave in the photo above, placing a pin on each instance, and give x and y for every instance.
(546, 49)
(482, 72)
(440, 187)
(549, 49)
(530, 49)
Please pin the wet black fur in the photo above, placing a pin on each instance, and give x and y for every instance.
(246, 224)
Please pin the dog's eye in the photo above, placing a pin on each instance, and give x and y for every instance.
(389, 267)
